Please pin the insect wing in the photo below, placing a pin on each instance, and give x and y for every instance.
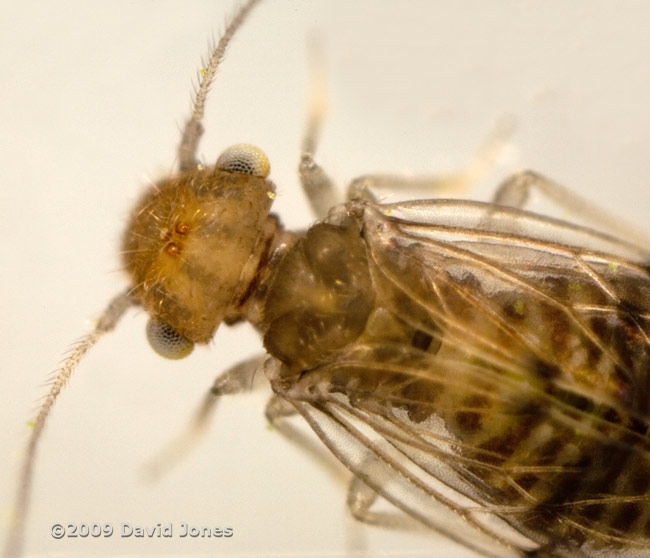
(516, 415)
(418, 480)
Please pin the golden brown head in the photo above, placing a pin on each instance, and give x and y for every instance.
(188, 243)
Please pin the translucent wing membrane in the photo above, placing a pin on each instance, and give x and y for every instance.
(500, 391)
(384, 456)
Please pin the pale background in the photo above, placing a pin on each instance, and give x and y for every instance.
(92, 96)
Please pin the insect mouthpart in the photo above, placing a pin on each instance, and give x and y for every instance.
(193, 245)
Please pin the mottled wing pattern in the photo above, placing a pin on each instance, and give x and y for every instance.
(501, 390)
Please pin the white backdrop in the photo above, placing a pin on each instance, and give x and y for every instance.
(92, 98)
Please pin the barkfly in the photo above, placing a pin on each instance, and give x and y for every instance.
(463, 346)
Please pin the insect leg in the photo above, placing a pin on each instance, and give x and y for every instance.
(482, 162)
(236, 379)
(361, 498)
(319, 189)
(515, 190)
(279, 413)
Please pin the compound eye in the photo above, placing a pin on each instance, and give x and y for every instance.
(166, 341)
(245, 159)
